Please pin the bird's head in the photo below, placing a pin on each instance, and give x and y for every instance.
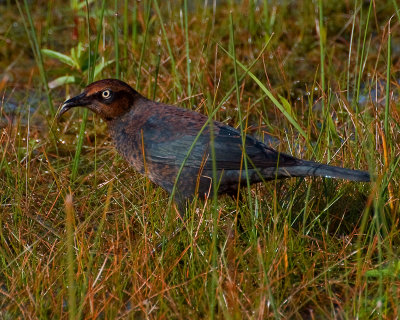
(109, 98)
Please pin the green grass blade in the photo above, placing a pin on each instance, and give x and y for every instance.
(69, 209)
(271, 97)
(139, 70)
(116, 40)
(361, 67)
(242, 132)
(396, 7)
(92, 67)
(170, 54)
(188, 61)
(388, 68)
(33, 39)
(322, 41)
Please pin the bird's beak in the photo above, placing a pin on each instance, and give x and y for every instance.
(78, 101)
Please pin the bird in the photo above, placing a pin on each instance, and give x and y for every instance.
(157, 139)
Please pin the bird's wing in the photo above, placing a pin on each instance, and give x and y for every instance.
(178, 135)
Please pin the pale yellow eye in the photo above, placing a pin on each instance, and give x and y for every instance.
(106, 94)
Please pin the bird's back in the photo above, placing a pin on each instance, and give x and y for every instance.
(166, 136)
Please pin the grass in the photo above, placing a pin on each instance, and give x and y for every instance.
(82, 241)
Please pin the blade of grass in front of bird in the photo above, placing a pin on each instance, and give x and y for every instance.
(242, 129)
(210, 118)
(92, 67)
(92, 64)
(79, 144)
(74, 171)
(214, 266)
(213, 284)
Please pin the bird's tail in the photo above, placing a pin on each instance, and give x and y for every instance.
(310, 168)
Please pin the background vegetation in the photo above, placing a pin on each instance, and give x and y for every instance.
(80, 231)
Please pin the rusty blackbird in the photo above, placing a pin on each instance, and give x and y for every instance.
(155, 138)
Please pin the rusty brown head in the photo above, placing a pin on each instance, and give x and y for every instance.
(109, 98)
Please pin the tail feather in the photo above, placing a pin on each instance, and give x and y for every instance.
(311, 168)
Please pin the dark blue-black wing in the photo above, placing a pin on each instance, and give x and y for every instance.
(176, 134)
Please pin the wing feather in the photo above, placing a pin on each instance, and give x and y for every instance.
(176, 140)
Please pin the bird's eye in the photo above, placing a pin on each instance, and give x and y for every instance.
(106, 94)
